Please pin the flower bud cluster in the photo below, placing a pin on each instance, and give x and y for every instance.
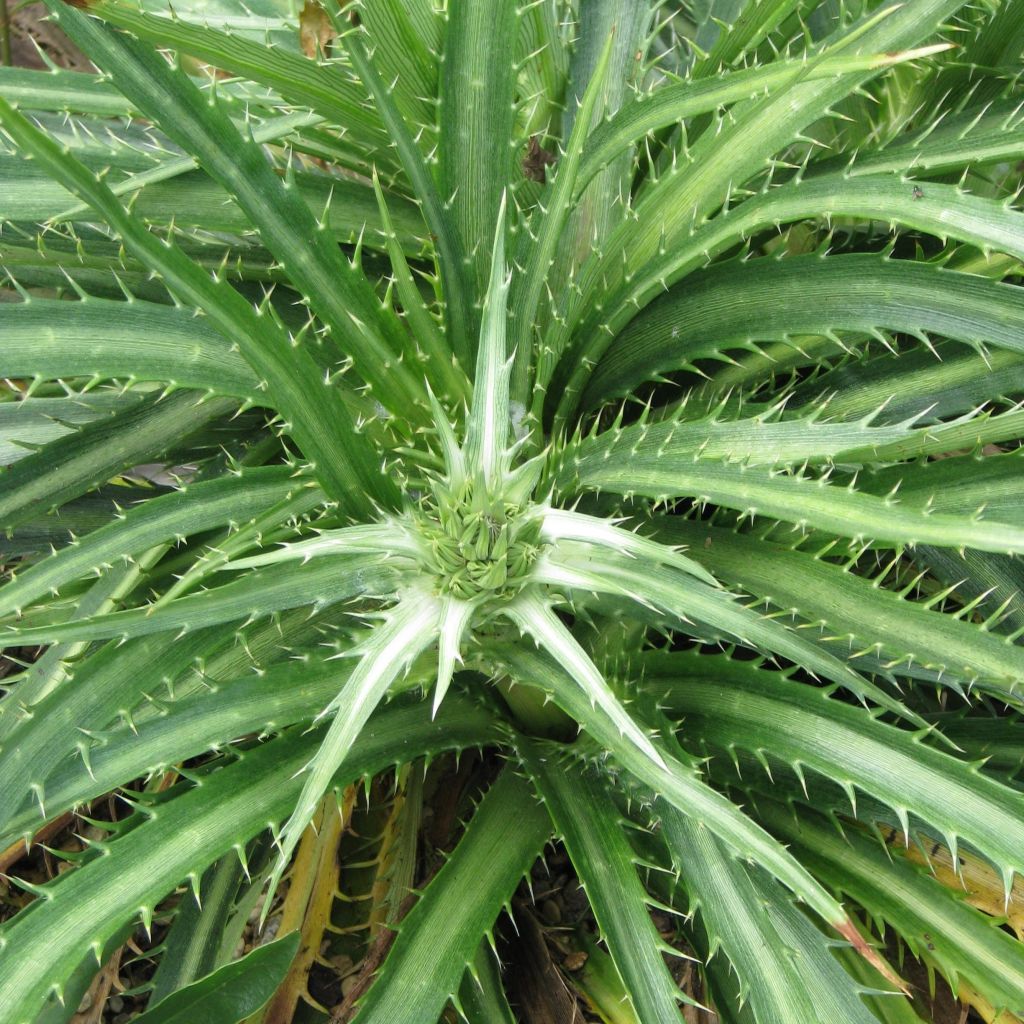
(479, 544)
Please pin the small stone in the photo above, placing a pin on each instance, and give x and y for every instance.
(574, 961)
(115, 1004)
(551, 912)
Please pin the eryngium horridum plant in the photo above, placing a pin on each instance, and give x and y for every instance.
(625, 390)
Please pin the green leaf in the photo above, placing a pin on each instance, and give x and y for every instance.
(534, 617)
(438, 939)
(62, 90)
(784, 970)
(968, 486)
(193, 508)
(538, 245)
(193, 947)
(338, 292)
(679, 784)
(737, 303)
(980, 135)
(628, 463)
(173, 730)
(71, 465)
(846, 744)
(324, 88)
(252, 596)
(87, 908)
(670, 104)
(604, 203)
(314, 408)
(584, 814)
(944, 211)
(486, 444)
(755, 131)
(936, 923)
(689, 604)
(408, 628)
(101, 338)
(444, 375)
(457, 284)
(858, 611)
(232, 993)
(41, 729)
(481, 997)
(27, 424)
(475, 114)
(950, 381)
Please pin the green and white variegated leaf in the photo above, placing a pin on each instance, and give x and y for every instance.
(563, 524)
(487, 427)
(967, 946)
(583, 811)
(851, 747)
(439, 937)
(785, 972)
(407, 629)
(677, 783)
(693, 604)
(535, 619)
(86, 912)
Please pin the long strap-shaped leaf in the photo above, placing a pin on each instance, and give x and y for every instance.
(723, 160)
(253, 596)
(685, 601)
(458, 289)
(338, 292)
(438, 938)
(407, 629)
(50, 338)
(677, 783)
(799, 499)
(476, 118)
(944, 211)
(805, 295)
(937, 924)
(486, 445)
(314, 409)
(587, 821)
(781, 965)
(324, 88)
(846, 743)
(668, 104)
(536, 619)
(184, 728)
(71, 465)
(88, 908)
(441, 368)
(853, 607)
(113, 682)
(191, 509)
(538, 243)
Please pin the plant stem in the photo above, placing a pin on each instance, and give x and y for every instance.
(5, 34)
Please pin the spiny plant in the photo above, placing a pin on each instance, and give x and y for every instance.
(628, 391)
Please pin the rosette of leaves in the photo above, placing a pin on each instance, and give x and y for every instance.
(627, 391)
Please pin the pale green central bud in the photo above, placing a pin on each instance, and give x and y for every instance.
(479, 545)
